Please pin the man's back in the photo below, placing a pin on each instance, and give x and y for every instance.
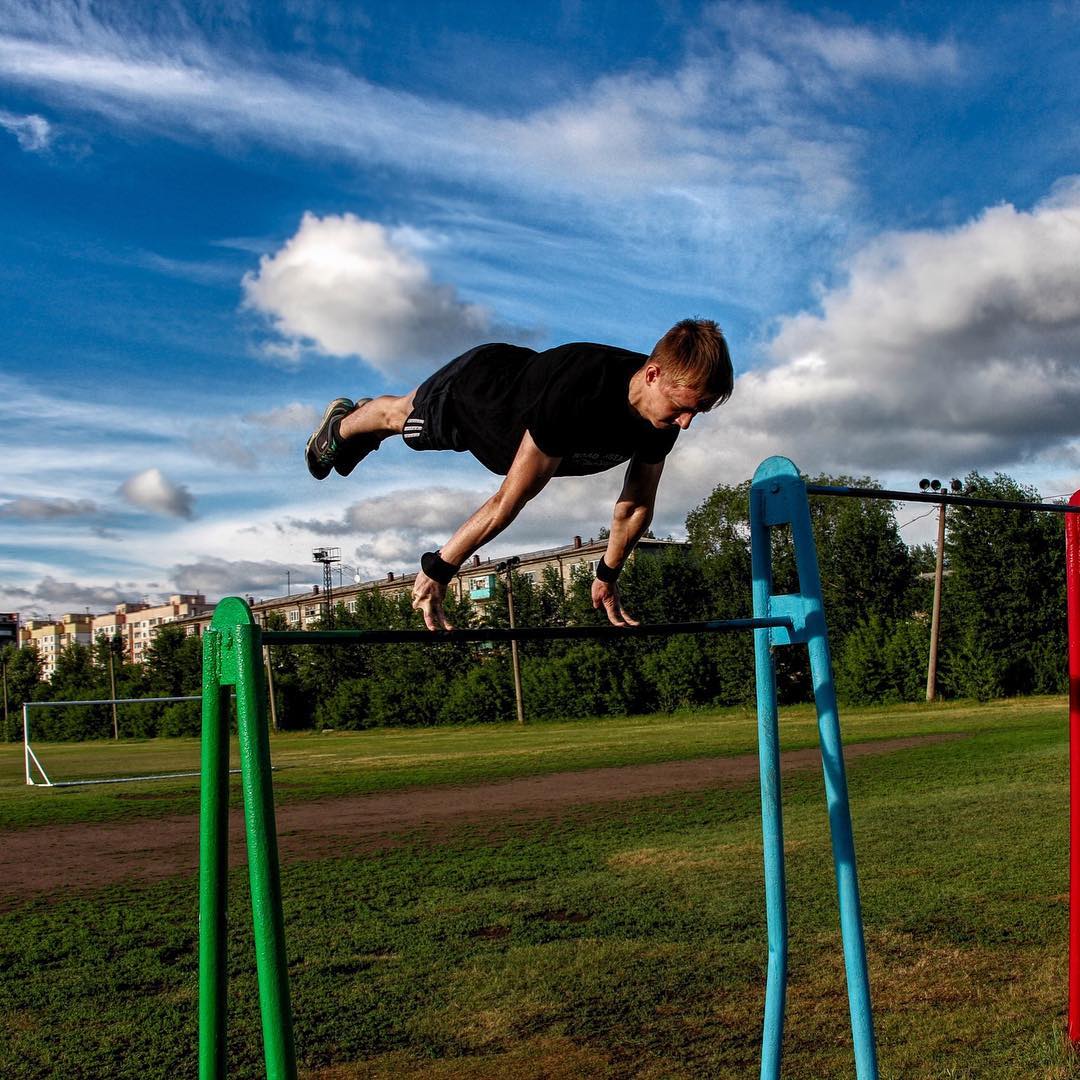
(573, 400)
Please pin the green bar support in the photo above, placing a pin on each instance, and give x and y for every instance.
(232, 651)
(213, 865)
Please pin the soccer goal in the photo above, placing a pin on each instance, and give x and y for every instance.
(33, 761)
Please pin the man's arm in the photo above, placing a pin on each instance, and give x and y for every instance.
(631, 517)
(529, 472)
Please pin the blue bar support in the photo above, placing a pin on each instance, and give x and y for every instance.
(778, 497)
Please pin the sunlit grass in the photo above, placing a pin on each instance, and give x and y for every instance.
(622, 941)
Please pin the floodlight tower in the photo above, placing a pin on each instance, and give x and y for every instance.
(327, 556)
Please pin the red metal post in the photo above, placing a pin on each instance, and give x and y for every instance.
(1072, 577)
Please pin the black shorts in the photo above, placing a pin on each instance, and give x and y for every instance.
(431, 424)
(434, 423)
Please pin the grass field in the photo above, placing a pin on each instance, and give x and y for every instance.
(617, 941)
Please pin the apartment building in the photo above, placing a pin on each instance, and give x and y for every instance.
(9, 628)
(137, 623)
(51, 636)
(475, 579)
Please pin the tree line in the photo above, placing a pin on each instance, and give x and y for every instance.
(1003, 632)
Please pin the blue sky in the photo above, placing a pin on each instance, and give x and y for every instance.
(217, 217)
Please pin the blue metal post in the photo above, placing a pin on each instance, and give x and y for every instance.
(778, 497)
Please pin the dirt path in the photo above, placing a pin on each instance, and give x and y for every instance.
(52, 858)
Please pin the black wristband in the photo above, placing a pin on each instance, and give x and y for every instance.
(605, 573)
(436, 568)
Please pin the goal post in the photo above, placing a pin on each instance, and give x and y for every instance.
(33, 762)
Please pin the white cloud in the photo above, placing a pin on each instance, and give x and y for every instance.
(216, 577)
(152, 490)
(33, 132)
(348, 288)
(734, 126)
(30, 508)
(51, 596)
(943, 350)
(822, 54)
(391, 530)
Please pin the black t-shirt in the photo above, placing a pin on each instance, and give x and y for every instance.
(573, 400)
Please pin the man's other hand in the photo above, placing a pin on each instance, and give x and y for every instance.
(605, 594)
(428, 596)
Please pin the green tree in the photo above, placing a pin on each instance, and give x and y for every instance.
(1003, 628)
(173, 664)
(75, 678)
(865, 568)
(23, 677)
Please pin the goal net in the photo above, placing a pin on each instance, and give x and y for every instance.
(147, 759)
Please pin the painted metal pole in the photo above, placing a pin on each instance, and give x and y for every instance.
(1072, 592)
(26, 741)
(772, 824)
(263, 870)
(232, 652)
(213, 865)
(778, 496)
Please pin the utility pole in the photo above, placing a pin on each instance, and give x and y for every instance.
(7, 730)
(515, 662)
(112, 694)
(935, 621)
(270, 681)
(939, 573)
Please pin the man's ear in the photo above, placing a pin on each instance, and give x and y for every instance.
(652, 373)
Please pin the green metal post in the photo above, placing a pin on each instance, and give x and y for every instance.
(263, 870)
(213, 864)
(232, 656)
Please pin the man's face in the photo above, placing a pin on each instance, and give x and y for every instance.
(668, 404)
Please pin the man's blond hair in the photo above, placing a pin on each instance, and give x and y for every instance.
(694, 353)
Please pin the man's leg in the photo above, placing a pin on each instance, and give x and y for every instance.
(348, 432)
(380, 417)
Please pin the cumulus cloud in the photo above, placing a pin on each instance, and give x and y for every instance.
(152, 490)
(33, 132)
(216, 577)
(29, 508)
(390, 531)
(949, 350)
(350, 287)
(53, 596)
(434, 509)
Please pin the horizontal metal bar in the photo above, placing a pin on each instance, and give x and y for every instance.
(938, 497)
(110, 701)
(520, 633)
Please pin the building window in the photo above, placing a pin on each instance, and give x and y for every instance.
(294, 616)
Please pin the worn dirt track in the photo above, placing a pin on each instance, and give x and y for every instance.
(57, 859)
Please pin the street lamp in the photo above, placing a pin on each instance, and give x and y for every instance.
(507, 568)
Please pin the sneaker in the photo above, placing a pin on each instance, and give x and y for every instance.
(323, 446)
(352, 451)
